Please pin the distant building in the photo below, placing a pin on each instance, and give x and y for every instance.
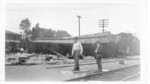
(127, 44)
(12, 41)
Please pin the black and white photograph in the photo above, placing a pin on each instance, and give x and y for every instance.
(72, 42)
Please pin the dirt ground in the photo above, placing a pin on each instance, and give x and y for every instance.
(41, 73)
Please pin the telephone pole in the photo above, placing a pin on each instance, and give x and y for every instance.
(79, 23)
(103, 23)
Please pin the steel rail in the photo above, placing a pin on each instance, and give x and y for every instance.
(102, 73)
(130, 77)
(70, 65)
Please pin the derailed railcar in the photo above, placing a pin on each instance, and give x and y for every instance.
(64, 45)
(113, 45)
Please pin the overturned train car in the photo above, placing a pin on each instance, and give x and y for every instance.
(122, 44)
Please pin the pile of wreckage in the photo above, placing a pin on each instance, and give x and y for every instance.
(34, 59)
(25, 58)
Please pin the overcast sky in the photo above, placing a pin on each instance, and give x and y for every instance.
(122, 17)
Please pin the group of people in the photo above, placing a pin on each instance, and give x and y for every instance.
(77, 51)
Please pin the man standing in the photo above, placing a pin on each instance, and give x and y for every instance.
(98, 54)
(76, 52)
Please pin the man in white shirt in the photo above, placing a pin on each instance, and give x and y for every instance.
(77, 50)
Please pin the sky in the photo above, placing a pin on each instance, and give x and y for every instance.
(63, 16)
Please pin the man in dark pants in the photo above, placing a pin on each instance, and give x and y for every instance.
(76, 52)
(98, 54)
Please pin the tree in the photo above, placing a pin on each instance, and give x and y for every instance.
(47, 33)
(35, 32)
(61, 33)
(25, 25)
(38, 32)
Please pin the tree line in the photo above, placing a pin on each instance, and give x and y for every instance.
(39, 32)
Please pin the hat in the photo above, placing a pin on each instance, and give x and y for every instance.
(75, 38)
(98, 42)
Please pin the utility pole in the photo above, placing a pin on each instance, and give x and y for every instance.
(79, 23)
(103, 23)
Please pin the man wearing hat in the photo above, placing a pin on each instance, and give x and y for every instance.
(98, 54)
(77, 50)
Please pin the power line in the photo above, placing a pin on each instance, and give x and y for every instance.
(103, 23)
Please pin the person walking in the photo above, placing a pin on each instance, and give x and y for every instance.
(98, 55)
(77, 50)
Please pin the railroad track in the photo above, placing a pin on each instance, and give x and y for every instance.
(122, 74)
(132, 77)
(81, 64)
